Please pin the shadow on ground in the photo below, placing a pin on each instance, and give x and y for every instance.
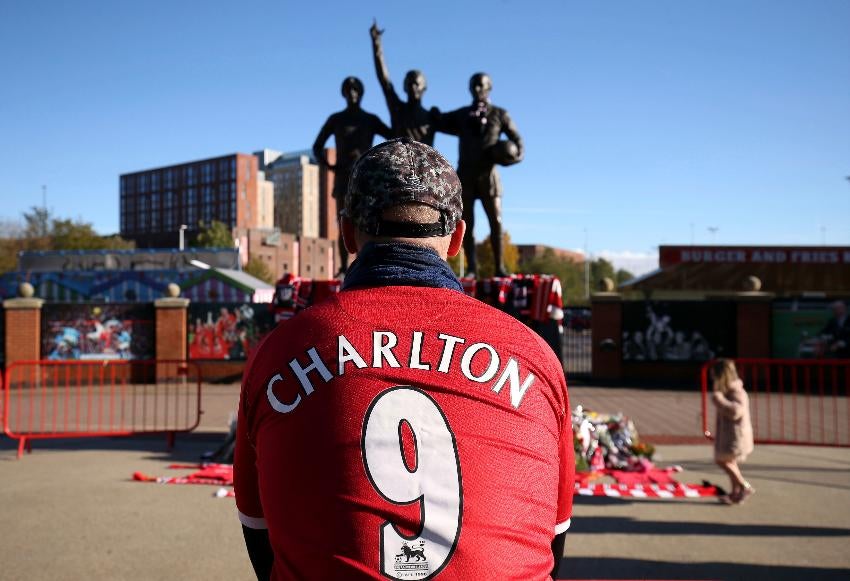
(187, 447)
(627, 525)
(615, 568)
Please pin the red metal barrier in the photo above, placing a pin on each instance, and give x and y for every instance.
(69, 399)
(792, 401)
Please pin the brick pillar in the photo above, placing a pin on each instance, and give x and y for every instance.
(171, 330)
(754, 324)
(23, 326)
(607, 335)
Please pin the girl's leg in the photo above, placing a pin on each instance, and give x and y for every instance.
(741, 489)
(735, 479)
(735, 472)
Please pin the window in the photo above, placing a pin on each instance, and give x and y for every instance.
(190, 207)
(142, 213)
(143, 183)
(169, 179)
(206, 172)
(155, 199)
(170, 211)
(191, 176)
(207, 204)
(154, 181)
(123, 210)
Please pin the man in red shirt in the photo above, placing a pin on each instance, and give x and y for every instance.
(401, 429)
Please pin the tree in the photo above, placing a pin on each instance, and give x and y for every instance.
(37, 222)
(569, 272)
(622, 276)
(601, 268)
(259, 269)
(484, 254)
(454, 262)
(68, 234)
(216, 235)
(41, 231)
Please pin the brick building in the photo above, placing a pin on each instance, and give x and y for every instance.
(284, 252)
(295, 178)
(229, 189)
(529, 252)
(328, 226)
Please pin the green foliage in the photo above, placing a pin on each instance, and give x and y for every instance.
(216, 235)
(37, 222)
(569, 272)
(256, 267)
(623, 276)
(9, 248)
(454, 262)
(572, 274)
(78, 235)
(42, 231)
(484, 255)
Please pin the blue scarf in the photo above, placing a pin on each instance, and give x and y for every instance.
(399, 264)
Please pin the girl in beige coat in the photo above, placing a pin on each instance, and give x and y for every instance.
(733, 437)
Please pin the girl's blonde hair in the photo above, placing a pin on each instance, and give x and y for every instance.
(723, 372)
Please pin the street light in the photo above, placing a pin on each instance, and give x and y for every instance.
(183, 228)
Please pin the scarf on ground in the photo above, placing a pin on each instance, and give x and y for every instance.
(399, 264)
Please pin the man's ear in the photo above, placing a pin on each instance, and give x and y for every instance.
(347, 229)
(457, 238)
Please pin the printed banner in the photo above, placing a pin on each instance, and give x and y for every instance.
(227, 331)
(104, 331)
(804, 329)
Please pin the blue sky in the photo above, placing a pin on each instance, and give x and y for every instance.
(645, 123)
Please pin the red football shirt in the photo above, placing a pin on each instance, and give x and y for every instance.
(405, 433)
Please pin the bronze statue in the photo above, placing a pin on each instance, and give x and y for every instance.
(408, 119)
(354, 130)
(479, 126)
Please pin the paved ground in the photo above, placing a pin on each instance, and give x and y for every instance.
(71, 511)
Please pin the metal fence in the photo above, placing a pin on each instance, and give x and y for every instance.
(576, 342)
(792, 401)
(67, 399)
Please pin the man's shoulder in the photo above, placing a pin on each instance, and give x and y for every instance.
(498, 112)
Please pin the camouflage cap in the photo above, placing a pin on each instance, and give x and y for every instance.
(402, 171)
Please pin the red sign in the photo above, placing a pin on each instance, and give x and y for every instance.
(670, 255)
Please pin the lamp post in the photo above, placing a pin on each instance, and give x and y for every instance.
(183, 228)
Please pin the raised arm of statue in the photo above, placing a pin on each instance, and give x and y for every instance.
(380, 64)
(319, 144)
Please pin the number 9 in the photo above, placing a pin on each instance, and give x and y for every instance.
(436, 480)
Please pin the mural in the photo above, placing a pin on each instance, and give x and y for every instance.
(678, 331)
(227, 331)
(104, 331)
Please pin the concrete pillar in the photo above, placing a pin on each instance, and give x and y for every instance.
(607, 336)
